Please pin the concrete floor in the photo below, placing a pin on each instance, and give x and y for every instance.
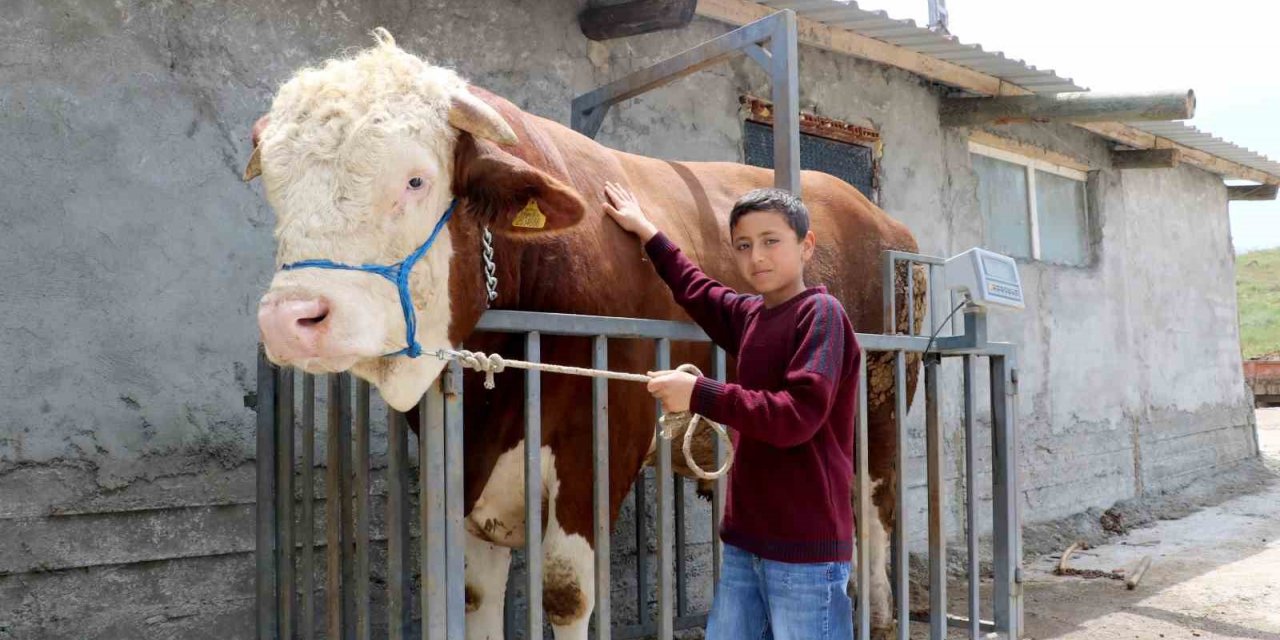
(1215, 574)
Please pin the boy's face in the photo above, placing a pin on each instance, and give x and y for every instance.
(768, 253)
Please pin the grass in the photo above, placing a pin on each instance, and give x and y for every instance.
(1258, 288)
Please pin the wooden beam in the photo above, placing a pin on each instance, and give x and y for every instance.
(1252, 191)
(837, 40)
(1146, 159)
(843, 41)
(1027, 150)
(1068, 107)
(1140, 139)
(634, 18)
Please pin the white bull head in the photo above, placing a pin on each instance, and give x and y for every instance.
(361, 159)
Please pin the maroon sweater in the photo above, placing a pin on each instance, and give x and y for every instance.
(792, 412)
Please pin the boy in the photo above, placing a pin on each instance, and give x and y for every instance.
(788, 523)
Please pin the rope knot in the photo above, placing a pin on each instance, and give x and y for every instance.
(488, 364)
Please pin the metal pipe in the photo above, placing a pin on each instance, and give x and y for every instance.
(364, 626)
(720, 371)
(937, 503)
(600, 488)
(455, 546)
(308, 568)
(431, 488)
(398, 573)
(533, 485)
(666, 610)
(862, 483)
(784, 77)
(333, 507)
(284, 495)
(971, 496)
(901, 559)
(265, 549)
(347, 499)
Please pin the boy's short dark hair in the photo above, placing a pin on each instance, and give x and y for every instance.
(772, 199)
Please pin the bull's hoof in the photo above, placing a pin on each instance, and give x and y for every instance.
(884, 633)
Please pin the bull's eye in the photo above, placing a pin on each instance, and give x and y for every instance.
(415, 183)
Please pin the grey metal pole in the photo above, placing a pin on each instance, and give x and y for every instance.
(937, 503)
(902, 569)
(308, 588)
(666, 526)
(265, 549)
(865, 513)
(786, 101)
(533, 485)
(284, 495)
(364, 625)
(398, 573)
(720, 367)
(971, 496)
(431, 488)
(455, 545)
(600, 489)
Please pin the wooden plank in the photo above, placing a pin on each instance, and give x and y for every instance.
(817, 34)
(1068, 107)
(1139, 139)
(634, 18)
(1252, 191)
(1146, 159)
(1028, 150)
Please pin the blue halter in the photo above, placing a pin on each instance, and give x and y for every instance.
(398, 274)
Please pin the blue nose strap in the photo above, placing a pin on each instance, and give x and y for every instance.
(398, 274)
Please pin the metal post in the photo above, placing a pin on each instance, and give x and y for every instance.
(284, 496)
(533, 485)
(265, 550)
(937, 503)
(455, 544)
(666, 612)
(398, 572)
(786, 103)
(682, 586)
(971, 496)
(347, 493)
(1007, 590)
(911, 298)
(642, 549)
(364, 625)
(890, 298)
(600, 489)
(431, 488)
(862, 482)
(718, 363)
(901, 560)
(308, 507)
(334, 505)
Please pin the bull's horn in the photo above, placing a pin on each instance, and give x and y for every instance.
(472, 115)
(254, 168)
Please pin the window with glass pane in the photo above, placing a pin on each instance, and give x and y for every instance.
(1060, 211)
(1002, 198)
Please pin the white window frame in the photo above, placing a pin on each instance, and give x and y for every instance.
(1031, 165)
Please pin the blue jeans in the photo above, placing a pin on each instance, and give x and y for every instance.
(760, 599)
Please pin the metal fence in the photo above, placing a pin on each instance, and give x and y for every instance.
(286, 545)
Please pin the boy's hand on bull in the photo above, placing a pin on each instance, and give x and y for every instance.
(673, 388)
(623, 207)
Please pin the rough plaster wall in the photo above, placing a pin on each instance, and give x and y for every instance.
(133, 257)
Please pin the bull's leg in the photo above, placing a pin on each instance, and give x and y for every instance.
(487, 568)
(881, 595)
(568, 582)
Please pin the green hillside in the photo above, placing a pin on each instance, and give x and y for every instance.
(1258, 285)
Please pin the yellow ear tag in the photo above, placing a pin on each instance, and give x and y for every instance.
(530, 217)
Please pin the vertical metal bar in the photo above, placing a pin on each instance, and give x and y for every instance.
(284, 495)
(455, 545)
(911, 298)
(971, 496)
(666, 612)
(937, 503)
(533, 485)
(361, 461)
(642, 550)
(333, 506)
(431, 483)
(600, 489)
(265, 551)
(720, 367)
(902, 573)
(682, 587)
(308, 567)
(937, 288)
(890, 300)
(347, 490)
(786, 99)
(398, 573)
(865, 514)
(1006, 591)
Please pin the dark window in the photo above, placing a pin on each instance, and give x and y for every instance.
(849, 162)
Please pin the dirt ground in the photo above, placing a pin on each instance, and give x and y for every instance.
(1215, 574)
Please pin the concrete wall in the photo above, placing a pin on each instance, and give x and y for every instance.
(133, 257)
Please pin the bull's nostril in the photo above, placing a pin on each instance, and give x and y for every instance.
(314, 321)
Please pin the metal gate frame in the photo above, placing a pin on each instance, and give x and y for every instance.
(440, 481)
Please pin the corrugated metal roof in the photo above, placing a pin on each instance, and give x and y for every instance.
(908, 35)
(846, 14)
(1190, 136)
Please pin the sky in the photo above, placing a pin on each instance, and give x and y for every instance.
(1225, 50)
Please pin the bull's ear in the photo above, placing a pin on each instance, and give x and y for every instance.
(509, 194)
(253, 168)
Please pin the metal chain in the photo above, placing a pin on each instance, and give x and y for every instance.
(490, 268)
